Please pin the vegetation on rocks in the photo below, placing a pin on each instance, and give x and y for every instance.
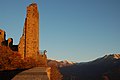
(10, 60)
(55, 73)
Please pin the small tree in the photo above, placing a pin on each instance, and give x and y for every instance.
(9, 59)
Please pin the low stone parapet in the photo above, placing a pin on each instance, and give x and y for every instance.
(37, 73)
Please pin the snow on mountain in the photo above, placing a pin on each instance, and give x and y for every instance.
(60, 63)
(117, 56)
(94, 70)
(114, 56)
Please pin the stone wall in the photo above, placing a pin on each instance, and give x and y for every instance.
(37, 73)
(2, 36)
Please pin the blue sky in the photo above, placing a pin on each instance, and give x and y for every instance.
(74, 30)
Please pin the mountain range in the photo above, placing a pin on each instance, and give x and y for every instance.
(60, 64)
(103, 68)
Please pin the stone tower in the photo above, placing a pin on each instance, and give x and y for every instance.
(29, 42)
(2, 36)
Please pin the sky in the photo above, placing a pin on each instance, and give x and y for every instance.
(74, 30)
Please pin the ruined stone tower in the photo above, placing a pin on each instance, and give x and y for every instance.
(29, 42)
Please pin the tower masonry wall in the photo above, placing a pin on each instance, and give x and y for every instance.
(29, 42)
(2, 36)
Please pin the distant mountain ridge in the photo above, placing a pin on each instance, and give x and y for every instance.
(94, 70)
(64, 63)
(61, 63)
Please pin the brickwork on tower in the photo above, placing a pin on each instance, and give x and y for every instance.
(29, 42)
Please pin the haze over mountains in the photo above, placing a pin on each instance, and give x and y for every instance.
(103, 68)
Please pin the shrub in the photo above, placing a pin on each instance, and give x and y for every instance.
(55, 73)
(9, 59)
(12, 60)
